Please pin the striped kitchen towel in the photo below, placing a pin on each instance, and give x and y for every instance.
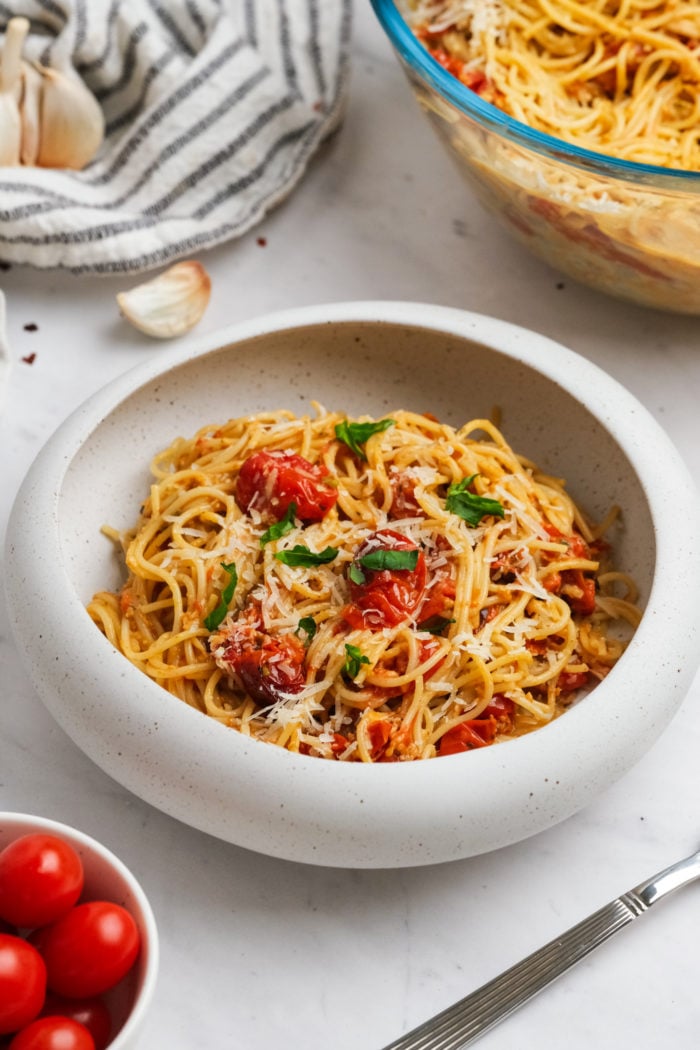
(212, 110)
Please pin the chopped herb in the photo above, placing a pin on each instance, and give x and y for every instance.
(301, 555)
(281, 527)
(435, 624)
(468, 506)
(214, 618)
(353, 660)
(356, 434)
(356, 574)
(385, 558)
(308, 625)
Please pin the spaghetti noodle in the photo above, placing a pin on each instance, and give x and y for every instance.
(368, 590)
(620, 77)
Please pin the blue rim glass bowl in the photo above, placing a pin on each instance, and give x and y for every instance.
(632, 230)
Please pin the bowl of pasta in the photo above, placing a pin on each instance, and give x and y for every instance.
(366, 585)
(576, 125)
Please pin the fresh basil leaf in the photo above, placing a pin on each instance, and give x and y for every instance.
(308, 625)
(435, 624)
(300, 555)
(468, 506)
(385, 558)
(281, 527)
(356, 574)
(353, 660)
(356, 434)
(212, 621)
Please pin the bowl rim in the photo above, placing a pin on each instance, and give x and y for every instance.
(76, 837)
(429, 69)
(662, 479)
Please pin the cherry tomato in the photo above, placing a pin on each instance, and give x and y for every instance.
(387, 596)
(92, 1013)
(53, 1033)
(497, 717)
(41, 878)
(89, 950)
(266, 666)
(22, 983)
(477, 732)
(269, 481)
(570, 681)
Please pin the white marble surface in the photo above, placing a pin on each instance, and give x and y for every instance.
(259, 953)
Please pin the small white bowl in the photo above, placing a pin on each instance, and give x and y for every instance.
(558, 409)
(106, 878)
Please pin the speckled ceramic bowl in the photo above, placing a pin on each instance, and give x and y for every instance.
(557, 409)
(106, 878)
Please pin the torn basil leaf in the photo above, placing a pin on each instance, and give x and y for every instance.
(281, 527)
(214, 618)
(353, 660)
(308, 625)
(468, 506)
(384, 558)
(435, 624)
(356, 434)
(301, 555)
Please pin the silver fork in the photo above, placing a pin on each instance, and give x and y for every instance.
(462, 1024)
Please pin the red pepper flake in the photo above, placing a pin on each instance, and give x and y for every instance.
(262, 241)
(31, 327)
(29, 359)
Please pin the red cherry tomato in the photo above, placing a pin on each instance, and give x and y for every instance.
(53, 1033)
(89, 950)
(387, 596)
(92, 1013)
(266, 666)
(22, 983)
(269, 481)
(41, 878)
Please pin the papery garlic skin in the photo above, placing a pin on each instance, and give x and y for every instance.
(72, 123)
(170, 304)
(10, 91)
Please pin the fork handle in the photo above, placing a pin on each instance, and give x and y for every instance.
(462, 1024)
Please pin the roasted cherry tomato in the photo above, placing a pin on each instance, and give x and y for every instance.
(53, 1033)
(92, 1013)
(497, 717)
(89, 950)
(22, 983)
(269, 481)
(387, 596)
(41, 878)
(266, 666)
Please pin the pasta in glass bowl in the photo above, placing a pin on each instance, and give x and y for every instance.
(627, 221)
(328, 608)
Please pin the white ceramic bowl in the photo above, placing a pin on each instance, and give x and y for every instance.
(106, 878)
(558, 409)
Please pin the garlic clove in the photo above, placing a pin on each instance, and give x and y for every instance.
(170, 304)
(72, 124)
(30, 113)
(10, 90)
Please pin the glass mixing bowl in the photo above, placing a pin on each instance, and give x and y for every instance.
(632, 230)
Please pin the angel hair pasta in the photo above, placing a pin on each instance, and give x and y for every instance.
(365, 590)
(620, 77)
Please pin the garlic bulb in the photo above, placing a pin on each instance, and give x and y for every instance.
(10, 91)
(48, 117)
(72, 125)
(170, 304)
(30, 113)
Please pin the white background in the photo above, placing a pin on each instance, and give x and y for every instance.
(260, 953)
